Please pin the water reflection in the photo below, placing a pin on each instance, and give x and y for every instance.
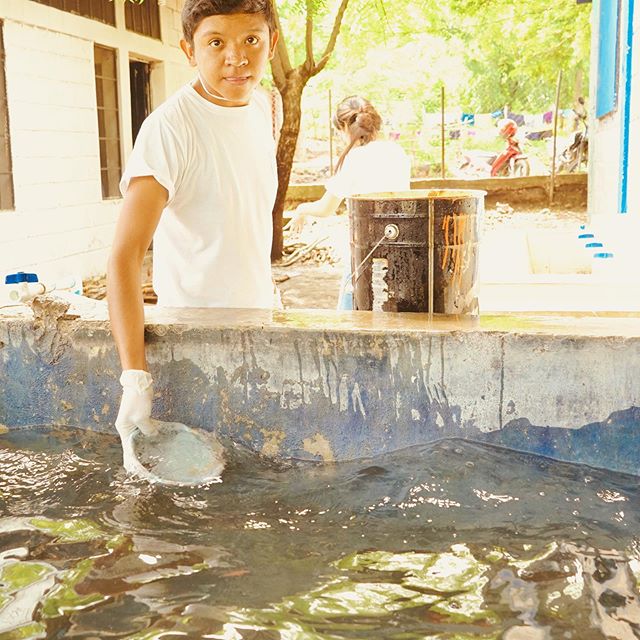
(453, 540)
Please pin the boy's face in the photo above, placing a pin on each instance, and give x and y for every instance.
(231, 53)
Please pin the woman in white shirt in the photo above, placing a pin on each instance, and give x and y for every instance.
(367, 165)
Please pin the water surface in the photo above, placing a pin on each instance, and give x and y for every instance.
(447, 541)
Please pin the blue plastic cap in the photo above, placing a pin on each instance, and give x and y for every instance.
(604, 254)
(584, 236)
(594, 245)
(21, 276)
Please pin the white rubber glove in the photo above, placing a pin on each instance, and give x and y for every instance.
(135, 413)
(135, 406)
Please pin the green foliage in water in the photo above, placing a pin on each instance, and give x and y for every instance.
(18, 575)
(29, 630)
(377, 585)
(64, 599)
(454, 579)
(78, 530)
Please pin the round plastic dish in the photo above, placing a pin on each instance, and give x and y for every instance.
(178, 455)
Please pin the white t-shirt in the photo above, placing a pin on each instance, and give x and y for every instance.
(212, 246)
(381, 165)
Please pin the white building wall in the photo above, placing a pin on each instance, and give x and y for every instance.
(61, 224)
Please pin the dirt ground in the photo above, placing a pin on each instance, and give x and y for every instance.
(312, 281)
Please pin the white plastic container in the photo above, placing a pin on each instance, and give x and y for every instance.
(20, 287)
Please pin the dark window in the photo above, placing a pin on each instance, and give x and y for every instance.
(6, 173)
(102, 10)
(143, 17)
(139, 73)
(108, 120)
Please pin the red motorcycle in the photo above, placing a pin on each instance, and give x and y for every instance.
(512, 162)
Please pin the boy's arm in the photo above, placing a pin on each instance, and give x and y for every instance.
(141, 210)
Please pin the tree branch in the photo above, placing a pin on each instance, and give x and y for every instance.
(332, 40)
(281, 48)
(279, 76)
(309, 62)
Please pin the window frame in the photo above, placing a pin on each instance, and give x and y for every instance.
(143, 18)
(99, 10)
(7, 195)
(110, 145)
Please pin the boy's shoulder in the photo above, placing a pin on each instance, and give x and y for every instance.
(262, 98)
(172, 109)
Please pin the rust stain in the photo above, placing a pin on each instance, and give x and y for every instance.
(455, 247)
(272, 441)
(238, 573)
(228, 415)
(319, 446)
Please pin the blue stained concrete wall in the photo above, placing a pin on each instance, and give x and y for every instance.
(301, 386)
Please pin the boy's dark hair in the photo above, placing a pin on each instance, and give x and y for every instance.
(195, 11)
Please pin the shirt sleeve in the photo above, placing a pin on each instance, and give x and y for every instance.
(156, 153)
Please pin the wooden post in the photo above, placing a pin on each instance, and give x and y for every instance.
(330, 134)
(443, 170)
(552, 185)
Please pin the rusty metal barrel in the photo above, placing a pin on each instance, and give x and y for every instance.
(416, 251)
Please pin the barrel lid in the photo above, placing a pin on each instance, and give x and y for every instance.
(421, 194)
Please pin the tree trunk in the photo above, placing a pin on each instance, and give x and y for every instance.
(291, 83)
(292, 111)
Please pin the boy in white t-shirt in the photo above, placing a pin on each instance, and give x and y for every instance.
(201, 181)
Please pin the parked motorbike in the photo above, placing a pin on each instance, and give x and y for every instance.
(572, 157)
(512, 162)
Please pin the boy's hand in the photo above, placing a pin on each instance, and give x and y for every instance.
(135, 406)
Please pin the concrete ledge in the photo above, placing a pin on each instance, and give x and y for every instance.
(572, 187)
(336, 386)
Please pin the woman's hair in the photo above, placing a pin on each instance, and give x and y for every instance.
(359, 119)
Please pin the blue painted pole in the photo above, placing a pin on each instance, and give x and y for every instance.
(626, 109)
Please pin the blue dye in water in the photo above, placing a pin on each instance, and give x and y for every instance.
(450, 541)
